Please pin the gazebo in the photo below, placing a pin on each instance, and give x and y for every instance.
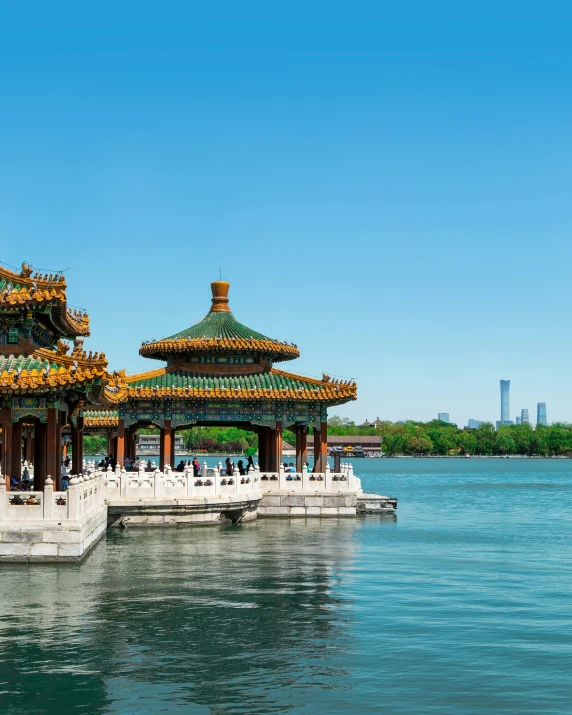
(220, 373)
(43, 389)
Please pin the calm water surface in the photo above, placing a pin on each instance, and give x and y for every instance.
(461, 605)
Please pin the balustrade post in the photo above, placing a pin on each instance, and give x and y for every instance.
(305, 477)
(72, 498)
(123, 482)
(158, 484)
(281, 477)
(3, 496)
(204, 471)
(190, 481)
(328, 477)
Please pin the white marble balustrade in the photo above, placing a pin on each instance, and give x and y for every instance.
(84, 496)
(210, 482)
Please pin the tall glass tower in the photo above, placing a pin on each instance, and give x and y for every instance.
(541, 418)
(524, 418)
(504, 401)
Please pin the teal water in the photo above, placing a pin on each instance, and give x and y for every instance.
(462, 605)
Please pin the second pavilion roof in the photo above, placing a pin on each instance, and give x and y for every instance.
(274, 384)
(219, 334)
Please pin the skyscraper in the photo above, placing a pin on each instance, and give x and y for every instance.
(517, 420)
(443, 416)
(475, 424)
(541, 418)
(524, 418)
(504, 401)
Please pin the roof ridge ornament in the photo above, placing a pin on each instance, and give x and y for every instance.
(220, 297)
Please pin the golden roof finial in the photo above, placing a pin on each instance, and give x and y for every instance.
(220, 297)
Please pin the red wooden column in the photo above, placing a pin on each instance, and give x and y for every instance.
(53, 439)
(127, 443)
(321, 447)
(262, 448)
(16, 450)
(172, 453)
(109, 443)
(269, 448)
(6, 418)
(277, 446)
(134, 444)
(77, 447)
(301, 447)
(40, 451)
(166, 441)
(120, 457)
(30, 446)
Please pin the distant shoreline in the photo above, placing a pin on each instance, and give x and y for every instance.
(475, 456)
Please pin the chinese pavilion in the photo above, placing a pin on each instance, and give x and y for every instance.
(43, 388)
(219, 372)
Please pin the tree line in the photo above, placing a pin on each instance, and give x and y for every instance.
(443, 438)
(409, 437)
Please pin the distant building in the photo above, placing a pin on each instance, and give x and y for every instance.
(524, 418)
(475, 424)
(443, 416)
(508, 422)
(376, 423)
(364, 445)
(505, 401)
(517, 420)
(541, 418)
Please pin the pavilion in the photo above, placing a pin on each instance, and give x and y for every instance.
(43, 389)
(221, 373)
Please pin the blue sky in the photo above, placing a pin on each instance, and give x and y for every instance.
(386, 184)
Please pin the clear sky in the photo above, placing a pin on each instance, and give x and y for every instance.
(386, 184)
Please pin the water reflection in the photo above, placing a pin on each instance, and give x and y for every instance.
(235, 619)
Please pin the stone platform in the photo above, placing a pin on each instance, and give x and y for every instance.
(282, 503)
(183, 512)
(51, 526)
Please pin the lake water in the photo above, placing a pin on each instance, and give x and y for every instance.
(460, 606)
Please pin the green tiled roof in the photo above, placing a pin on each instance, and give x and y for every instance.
(263, 380)
(218, 325)
(11, 363)
(101, 414)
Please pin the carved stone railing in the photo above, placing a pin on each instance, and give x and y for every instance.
(83, 497)
(211, 482)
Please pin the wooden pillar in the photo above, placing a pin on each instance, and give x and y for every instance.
(262, 448)
(321, 447)
(40, 463)
(53, 438)
(165, 441)
(77, 449)
(172, 454)
(109, 443)
(120, 457)
(277, 443)
(16, 450)
(134, 444)
(6, 417)
(30, 446)
(127, 443)
(301, 447)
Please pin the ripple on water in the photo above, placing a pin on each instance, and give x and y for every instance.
(460, 605)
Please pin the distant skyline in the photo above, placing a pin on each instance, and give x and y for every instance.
(378, 182)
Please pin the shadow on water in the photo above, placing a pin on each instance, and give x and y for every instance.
(212, 619)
